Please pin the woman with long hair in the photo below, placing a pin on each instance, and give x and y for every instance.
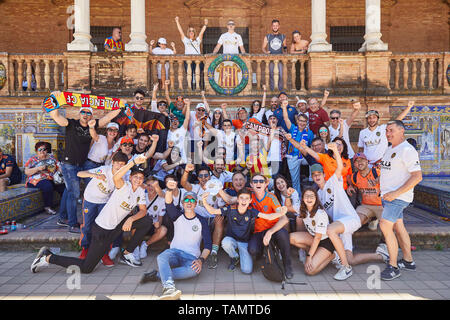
(319, 248)
(324, 134)
(283, 190)
(103, 145)
(258, 109)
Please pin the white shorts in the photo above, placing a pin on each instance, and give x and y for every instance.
(351, 224)
(347, 241)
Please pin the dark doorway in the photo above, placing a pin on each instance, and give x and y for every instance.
(346, 38)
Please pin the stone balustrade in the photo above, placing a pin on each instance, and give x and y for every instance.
(417, 73)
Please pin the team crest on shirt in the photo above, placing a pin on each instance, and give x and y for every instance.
(378, 133)
(3, 166)
(313, 223)
(195, 228)
(86, 210)
(329, 190)
(393, 155)
(155, 208)
(246, 218)
(234, 218)
(265, 208)
(138, 198)
(214, 198)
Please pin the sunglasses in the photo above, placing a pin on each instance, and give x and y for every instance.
(127, 144)
(162, 104)
(323, 130)
(86, 113)
(334, 118)
(191, 200)
(258, 181)
(256, 104)
(201, 110)
(42, 149)
(205, 175)
(139, 98)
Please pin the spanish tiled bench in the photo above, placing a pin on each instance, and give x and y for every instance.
(19, 202)
(433, 195)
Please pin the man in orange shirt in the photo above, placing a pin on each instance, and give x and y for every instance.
(367, 181)
(242, 118)
(267, 202)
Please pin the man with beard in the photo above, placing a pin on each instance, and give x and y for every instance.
(317, 115)
(277, 45)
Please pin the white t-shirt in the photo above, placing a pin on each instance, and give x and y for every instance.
(275, 150)
(396, 167)
(225, 176)
(160, 51)
(195, 131)
(160, 172)
(99, 191)
(295, 199)
(121, 203)
(179, 138)
(335, 200)
(335, 132)
(99, 150)
(317, 224)
(231, 42)
(259, 116)
(192, 46)
(374, 143)
(155, 207)
(268, 113)
(227, 141)
(199, 208)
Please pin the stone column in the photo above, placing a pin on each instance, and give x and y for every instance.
(137, 35)
(318, 23)
(373, 27)
(82, 35)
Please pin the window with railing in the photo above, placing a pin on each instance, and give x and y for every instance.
(347, 38)
(99, 34)
(212, 35)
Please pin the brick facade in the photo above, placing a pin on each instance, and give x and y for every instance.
(40, 26)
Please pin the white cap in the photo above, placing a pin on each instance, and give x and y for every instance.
(112, 125)
(200, 105)
(162, 41)
(87, 109)
(301, 101)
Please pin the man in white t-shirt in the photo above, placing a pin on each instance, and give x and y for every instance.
(400, 172)
(162, 50)
(230, 40)
(179, 135)
(339, 127)
(345, 219)
(372, 140)
(115, 217)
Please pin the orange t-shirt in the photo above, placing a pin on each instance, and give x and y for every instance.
(369, 187)
(329, 165)
(268, 204)
(237, 123)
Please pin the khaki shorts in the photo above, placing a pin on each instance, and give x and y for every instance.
(370, 211)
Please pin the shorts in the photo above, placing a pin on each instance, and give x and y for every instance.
(393, 210)
(327, 244)
(370, 211)
(347, 241)
(351, 224)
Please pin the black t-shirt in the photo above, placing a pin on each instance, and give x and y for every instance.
(9, 161)
(138, 152)
(240, 226)
(78, 142)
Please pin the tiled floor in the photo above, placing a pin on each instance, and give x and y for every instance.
(430, 281)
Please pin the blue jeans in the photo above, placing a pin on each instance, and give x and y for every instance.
(90, 211)
(294, 169)
(68, 209)
(230, 245)
(393, 210)
(181, 263)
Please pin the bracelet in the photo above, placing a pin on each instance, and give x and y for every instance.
(202, 259)
(308, 255)
(134, 163)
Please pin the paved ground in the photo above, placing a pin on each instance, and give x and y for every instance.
(430, 281)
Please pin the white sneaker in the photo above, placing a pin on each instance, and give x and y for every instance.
(143, 250)
(336, 261)
(302, 255)
(113, 252)
(383, 252)
(130, 260)
(373, 225)
(344, 273)
(39, 261)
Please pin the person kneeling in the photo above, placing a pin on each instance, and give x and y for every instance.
(241, 219)
(113, 219)
(183, 260)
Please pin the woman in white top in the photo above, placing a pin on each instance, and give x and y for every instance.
(102, 146)
(258, 109)
(320, 250)
(283, 191)
(192, 45)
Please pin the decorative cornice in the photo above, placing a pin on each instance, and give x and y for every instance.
(239, 3)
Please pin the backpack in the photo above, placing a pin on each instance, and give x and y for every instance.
(272, 267)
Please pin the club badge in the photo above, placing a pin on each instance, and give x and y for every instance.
(86, 210)
(195, 228)
(265, 208)
(393, 155)
(378, 133)
(155, 208)
(246, 218)
(329, 190)
(313, 223)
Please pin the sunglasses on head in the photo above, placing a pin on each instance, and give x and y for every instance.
(191, 200)
(127, 144)
(86, 113)
(204, 175)
(258, 181)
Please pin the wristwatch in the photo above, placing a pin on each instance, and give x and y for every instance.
(202, 259)
(308, 255)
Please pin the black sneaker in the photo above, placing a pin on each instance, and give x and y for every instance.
(212, 261)
(62, 222)
(170, 294)
(151, 276)
(403, 264)
(390, 273)
(74, 229)
(233, 264)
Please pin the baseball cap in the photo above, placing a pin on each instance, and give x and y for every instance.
(162, 40)
(200, 105)
(190, 193)
(370, 112)
(242, 108)
(137, 169)
(316, 167)
(301, 101)
(359, 155)
(112, 125)
(126, 140)
(86, 109)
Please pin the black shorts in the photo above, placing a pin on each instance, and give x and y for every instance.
(327, 244)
